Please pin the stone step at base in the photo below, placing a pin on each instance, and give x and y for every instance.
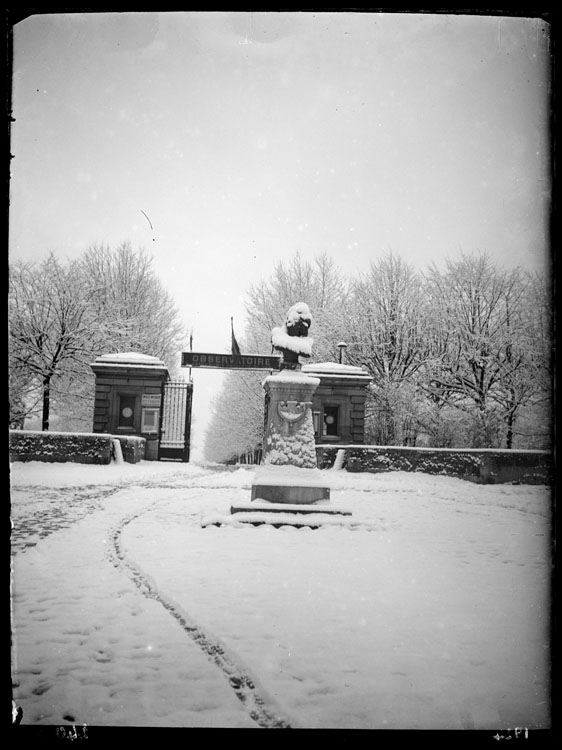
(278, 520)
(294, 494)
(258, 506)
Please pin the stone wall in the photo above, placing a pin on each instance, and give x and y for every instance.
(83, 448)
(485, 466)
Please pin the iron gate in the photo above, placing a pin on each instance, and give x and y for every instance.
(175, 425)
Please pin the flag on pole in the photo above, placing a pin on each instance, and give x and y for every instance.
(235, 348)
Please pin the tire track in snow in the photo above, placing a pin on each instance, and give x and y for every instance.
(242, 684)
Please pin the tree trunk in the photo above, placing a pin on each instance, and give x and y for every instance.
(510, 421)
(509, 433)
(46, 403)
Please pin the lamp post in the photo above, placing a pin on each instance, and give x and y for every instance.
(341, 346)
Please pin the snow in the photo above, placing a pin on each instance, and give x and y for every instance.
(272, 474)
(423, 448)
(291, 377)
(55, 432)
(129, 359)
(118, 453)
(291, 449)
(430, 611)
(299, 344)
(297, 312)
(137, 357)
(335, 368)
(338, 462)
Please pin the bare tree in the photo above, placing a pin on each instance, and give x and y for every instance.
(386, 334)
(133, 310)
(480, 330)
(49, 328)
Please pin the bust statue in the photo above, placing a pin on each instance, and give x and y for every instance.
(292, 339)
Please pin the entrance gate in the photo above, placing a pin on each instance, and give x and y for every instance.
(175, 425)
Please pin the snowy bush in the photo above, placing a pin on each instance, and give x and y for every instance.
(484, 466)
(84, 448)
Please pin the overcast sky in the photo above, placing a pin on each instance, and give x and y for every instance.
(224, 142)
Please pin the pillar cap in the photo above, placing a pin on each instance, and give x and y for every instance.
(130, 361)
(335, 369)
(129, 358)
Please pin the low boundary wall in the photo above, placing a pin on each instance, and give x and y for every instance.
(483, 466)
(82, 448)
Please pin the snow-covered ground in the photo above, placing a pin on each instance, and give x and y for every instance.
(430, 611)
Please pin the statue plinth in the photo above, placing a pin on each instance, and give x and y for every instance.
(289, 429)
(289, 472)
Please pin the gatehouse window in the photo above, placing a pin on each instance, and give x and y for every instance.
(127, 411)
(331, 420)
(149, 420)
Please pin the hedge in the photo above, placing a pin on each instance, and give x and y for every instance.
(483, 466)
(83, 448)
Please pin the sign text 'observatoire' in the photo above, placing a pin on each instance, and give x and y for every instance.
(231, 361)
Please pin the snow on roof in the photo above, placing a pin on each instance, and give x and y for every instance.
(296, 377)
(334, 368)
(127, 359)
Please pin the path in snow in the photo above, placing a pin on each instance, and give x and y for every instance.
(57, 510)
(237, 676)
(58, 620)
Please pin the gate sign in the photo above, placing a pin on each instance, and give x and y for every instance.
(151, 400)
(231, 361)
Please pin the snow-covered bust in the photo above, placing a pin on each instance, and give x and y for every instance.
(292, 339)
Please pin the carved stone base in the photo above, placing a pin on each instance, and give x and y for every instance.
(289, 431)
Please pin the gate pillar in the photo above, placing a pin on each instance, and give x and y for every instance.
(175, 426)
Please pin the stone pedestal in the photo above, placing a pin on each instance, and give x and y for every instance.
(287, 484)
(289, 431)
(289, 473)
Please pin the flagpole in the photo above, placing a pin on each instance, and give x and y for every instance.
(235, 349)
